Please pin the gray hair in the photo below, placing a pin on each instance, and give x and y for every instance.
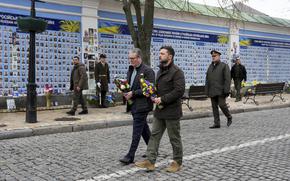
(136, 51)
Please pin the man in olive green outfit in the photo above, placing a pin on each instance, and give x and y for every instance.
(170, 85)
(78, 83)
(217, 87)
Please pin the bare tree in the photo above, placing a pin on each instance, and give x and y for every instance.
(141, 32)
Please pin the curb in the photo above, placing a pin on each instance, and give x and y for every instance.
(26, 132)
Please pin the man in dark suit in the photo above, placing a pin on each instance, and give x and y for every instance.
(238, 74)
(141, 105)
(102, 77)
(217, 87)
(170, 89)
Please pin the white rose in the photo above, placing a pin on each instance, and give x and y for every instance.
(122, 87)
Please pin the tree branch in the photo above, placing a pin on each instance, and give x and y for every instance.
(137, 6)
(129, 18)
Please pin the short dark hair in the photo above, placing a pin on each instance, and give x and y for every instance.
(103, 56)
(169, 49)
(77, 57)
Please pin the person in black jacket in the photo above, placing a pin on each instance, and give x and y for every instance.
(238, 73)
(170, 89)
(217, 87)
(141, 105)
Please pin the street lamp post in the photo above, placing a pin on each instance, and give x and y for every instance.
(31, 102)
(33, 26)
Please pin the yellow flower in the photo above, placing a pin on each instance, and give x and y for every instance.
(255, 82)
(243, 84)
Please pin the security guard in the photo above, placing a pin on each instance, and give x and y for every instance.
(217, 87)
(102, 77)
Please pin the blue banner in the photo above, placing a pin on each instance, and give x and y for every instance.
(106, 27)
(246, 41)
(8, 19)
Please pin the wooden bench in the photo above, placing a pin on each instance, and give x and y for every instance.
(275, 89)
(194, 92)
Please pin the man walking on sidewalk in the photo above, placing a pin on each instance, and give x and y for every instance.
(170, 89)
(217, 87)
(102, 77)
(238, 74)
(78, 83)
(141, 105)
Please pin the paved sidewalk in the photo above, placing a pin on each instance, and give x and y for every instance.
(56, 121)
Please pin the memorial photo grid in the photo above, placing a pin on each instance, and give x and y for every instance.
(55, 49)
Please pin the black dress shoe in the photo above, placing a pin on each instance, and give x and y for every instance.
(214, 127)
(126, 160)
(229, 122)
(84, 112)
(72, 113)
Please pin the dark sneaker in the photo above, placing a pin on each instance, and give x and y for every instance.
(229, 122)
(214, 127)
(83, 112)
(126, 160)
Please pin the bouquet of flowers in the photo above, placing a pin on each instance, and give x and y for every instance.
(48, 92)
(148, 89)
(249, 87)
(123, 86)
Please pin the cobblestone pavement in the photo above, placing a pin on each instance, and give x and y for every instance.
(255, 147)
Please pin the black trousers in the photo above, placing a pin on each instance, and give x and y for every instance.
(103, 98)
(238, 85)
(216, 102)
(140, 129)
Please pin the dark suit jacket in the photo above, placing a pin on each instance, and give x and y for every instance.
(140, 102)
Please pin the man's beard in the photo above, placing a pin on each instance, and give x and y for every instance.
(163, 63)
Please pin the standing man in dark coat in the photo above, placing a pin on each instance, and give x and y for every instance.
(102, 77)
(170, 89)
(238, 73)
(78, 83)
(141, 105)
(217, 87)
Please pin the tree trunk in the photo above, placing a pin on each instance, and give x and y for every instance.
(142, 36)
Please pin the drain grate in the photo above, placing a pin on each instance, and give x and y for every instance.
(67, 119)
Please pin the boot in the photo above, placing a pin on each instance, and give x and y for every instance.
(145, 164)
(173, 167)
(71, 112)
